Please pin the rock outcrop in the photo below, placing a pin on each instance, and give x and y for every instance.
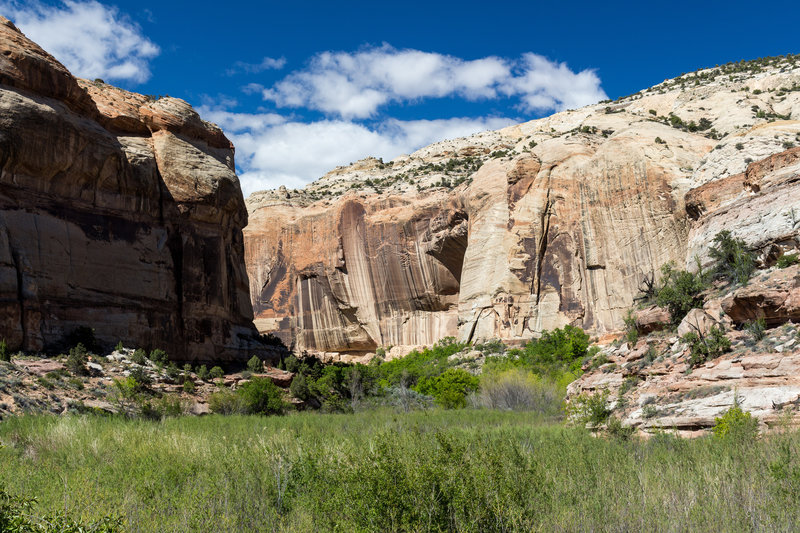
(652, 387)
(118, 212)
(556, 221)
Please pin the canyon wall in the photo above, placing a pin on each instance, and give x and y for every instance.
(119, 212)
(503, 234)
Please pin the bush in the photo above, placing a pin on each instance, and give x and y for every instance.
(631, 331)
(255, 365)
(159, 357)
(188, 386)
(787, 260)
(680, 291)
(735, 424)
(142, 378)
(226, 402)
(5, 355)
(557, 354)
(139, 357)
(119, 347)
(262, 397)
(733, 261)
(518, 390)
(76, 360)
(589, 409)
(216, 373)
(451, 388)
(705, 347)
(756, 329)
(407, 399)
(299, 388)
(202, 372)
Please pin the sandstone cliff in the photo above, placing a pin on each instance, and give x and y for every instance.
(118, 212)
(550, 222)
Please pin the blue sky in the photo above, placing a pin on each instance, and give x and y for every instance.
(303, 86)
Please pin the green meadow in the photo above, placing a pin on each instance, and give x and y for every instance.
(382, 470)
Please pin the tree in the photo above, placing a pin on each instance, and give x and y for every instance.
(262, 397)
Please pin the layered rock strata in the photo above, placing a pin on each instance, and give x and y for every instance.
(556, 221)
(118, 212)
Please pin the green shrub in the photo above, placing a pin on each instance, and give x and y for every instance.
(299, 388)
(418, 365)
(756, 329)
(5, 355)
(76, 360)
(705, 347)
(735, 424)
(733, 261)
(255, 364)
(631, 330)
(680, 291)
(216, 373)
(119, 347)
(139, 357)
(557, 354)
(226, 402)
(787, 260)
(451, 388)
(159, 357)
(188, 386)
(172, 372)
(262, 397)
(142, 378)
(202, 373)
(126, 394)
(589, 409)
(649, 411)
(46, 383)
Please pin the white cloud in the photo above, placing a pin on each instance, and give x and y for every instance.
(545, 85)
(90, 39)
(355, 85)
(272, 151)
(268, 63)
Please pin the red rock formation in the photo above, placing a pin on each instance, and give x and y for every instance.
(564, 220)
(116, 212)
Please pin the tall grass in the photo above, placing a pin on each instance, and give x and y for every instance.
(466, 470)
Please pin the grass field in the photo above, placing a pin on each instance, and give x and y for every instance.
(464, 470)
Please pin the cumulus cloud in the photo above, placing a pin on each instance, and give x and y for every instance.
(544, 84)
(355, 85)
(272, 151)
(92, 40)
(268, 63)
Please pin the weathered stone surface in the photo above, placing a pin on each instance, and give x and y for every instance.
(652, 318)
(775, 297)
(760, 206)
(764, 377)
(116, 212)
(561, 224)
(696, 321)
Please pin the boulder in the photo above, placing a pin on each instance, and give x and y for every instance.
(696, 321)
(653, 318)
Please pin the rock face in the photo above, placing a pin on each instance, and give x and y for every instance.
(551, 222)
(117, 212)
